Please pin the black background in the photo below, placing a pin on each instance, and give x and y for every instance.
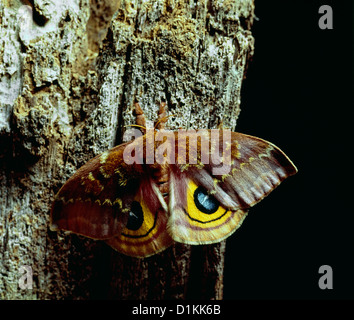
(299, 95)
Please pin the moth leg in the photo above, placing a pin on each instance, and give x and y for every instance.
(162, 118)
(140, 117)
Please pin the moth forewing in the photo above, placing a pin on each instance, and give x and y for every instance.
(90, 203)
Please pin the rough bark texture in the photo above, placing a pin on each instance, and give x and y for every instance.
(70, 72)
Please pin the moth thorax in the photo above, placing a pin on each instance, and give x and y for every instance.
(160, 177)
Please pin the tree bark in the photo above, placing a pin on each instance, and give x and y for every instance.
(70, 74)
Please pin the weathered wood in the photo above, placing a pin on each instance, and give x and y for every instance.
(64, 100)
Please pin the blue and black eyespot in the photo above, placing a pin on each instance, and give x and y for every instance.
(205, 202)
(136, 217)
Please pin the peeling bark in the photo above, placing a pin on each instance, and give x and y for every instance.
(70, 73)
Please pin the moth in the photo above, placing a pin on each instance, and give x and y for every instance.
(194, 187)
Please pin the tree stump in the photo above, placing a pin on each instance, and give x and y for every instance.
(70, 74)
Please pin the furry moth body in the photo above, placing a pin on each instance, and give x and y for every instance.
(141, 207)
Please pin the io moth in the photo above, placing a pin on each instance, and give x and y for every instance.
(144, 194)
